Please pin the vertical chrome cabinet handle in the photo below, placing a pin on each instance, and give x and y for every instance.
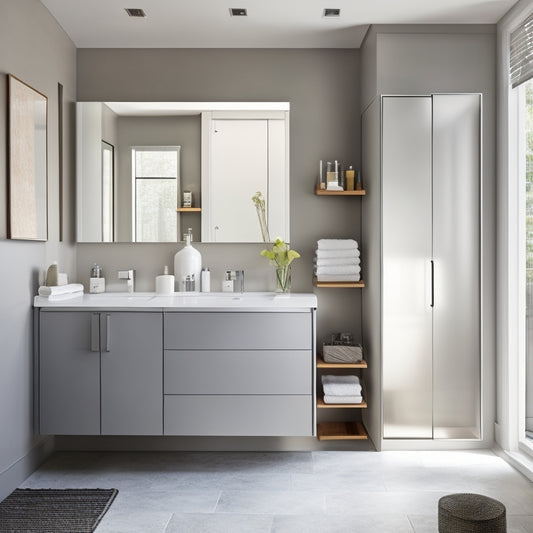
(95, 332)
(108, 333)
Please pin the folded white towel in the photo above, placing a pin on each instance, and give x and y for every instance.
(337, 244)
(341, 385)
(339, 278)
(338, 261)
(66, 296)
(329, 254)
(343, 399)
(338, 270)
(57, 290)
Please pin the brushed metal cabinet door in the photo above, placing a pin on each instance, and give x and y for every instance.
(456, 250)
(406, 252)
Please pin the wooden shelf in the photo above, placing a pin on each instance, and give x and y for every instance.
(325, 192)
(320, 363)
(321, 405)
(341, 431)
(189, 209)
(339, 284)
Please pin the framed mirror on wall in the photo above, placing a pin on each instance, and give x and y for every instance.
(28, 163)
(228, 152)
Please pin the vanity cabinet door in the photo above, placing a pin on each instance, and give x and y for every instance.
(69, 373)
(132, 373)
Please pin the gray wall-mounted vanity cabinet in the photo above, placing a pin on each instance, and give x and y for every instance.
(176, 373)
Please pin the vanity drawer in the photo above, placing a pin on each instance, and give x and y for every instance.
(238, 415)
(238, 372)
(236, 330)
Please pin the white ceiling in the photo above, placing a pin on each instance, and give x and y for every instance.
(269, 24)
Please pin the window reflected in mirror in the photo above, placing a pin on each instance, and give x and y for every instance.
(155, 193)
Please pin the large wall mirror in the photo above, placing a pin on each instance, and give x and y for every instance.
(148, 171)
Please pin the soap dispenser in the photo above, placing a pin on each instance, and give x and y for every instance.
(188, 266)
(164, 284)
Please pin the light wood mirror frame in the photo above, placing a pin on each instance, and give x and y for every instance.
(28, 162)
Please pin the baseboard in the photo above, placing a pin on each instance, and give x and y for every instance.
(168, 443)
(12, 477)
(519, 460)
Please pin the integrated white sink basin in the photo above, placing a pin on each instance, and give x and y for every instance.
(184, 300)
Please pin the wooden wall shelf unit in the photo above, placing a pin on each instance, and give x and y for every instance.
(321, 405)
(189, 209)
(339, 284)
(325, 192)
(320, 363)
(341, 431)
(346, 430)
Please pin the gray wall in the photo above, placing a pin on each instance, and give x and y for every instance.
(36, 50)
(322, 87)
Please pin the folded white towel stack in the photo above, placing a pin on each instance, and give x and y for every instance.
(337, 260)
(337, 244)
(342, 399)
(336, 254)
(61, 292)
(342, 389)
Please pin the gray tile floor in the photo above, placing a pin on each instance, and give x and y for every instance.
(296, 492)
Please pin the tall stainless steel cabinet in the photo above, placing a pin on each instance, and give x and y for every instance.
(429, 264)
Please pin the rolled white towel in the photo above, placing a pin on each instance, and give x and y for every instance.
(339, 270)
(338, 278)
(343, 399)
(331, 254)
(58, 290)
(341, 385)
(338, 261)
(337, 244)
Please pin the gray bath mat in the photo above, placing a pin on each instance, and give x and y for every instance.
(54, 511)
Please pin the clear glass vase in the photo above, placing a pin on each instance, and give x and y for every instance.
(283, 279)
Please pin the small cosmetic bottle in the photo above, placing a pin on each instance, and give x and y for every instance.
(164, 284)
(227, 283)
(96, 281)
(206, 280)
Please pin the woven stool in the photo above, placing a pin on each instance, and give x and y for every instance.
(471, 513)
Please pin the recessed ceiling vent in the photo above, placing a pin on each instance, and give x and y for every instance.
(238, 12)
(134, 12)
(332, 12)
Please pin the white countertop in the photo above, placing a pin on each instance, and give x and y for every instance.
(182, 301)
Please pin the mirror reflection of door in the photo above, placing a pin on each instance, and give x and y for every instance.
(239, 159)
(155, 177)
(108, 186)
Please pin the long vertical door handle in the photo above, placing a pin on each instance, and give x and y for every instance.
(95, 332)
(108, 333)
(432, 304)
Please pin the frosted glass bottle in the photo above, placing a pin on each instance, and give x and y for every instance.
(188, 266)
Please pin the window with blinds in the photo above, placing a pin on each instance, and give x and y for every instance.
(521, 53)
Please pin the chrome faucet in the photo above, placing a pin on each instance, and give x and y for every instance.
(129, 276)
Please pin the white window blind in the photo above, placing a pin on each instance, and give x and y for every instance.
(521, 54)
